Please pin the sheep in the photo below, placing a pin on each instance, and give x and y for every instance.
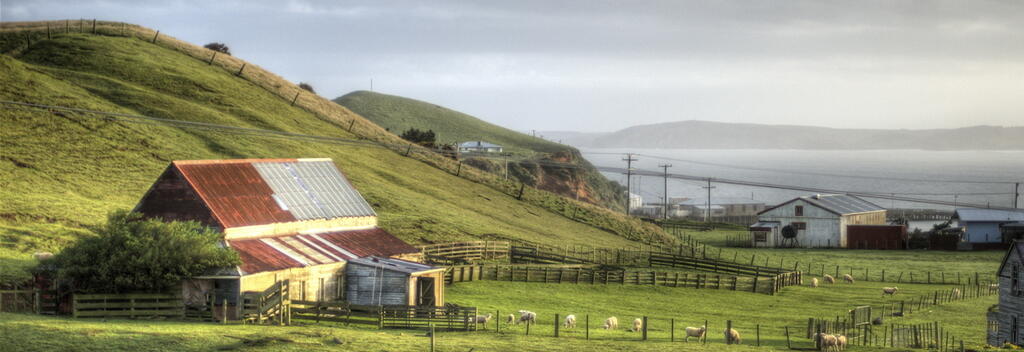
(637, 325)
(511, 319)
(528, 317)
(42, 255)
(829, 279)
(480, 319)
(841, 342)
(695, 332)
(889, 290)
(826, 342)
(848, 278)
(956, 293)
(733, 335)
(570, 321)
(814, 282)
(611, 323)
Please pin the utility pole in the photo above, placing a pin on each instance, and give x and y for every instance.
(707, 211)
(665, 194)
(629, 159)
(505, 155)
(1016, 194)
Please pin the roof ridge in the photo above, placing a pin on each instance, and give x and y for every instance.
(236, 161)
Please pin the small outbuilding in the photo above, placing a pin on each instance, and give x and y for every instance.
(479, 147)
(388, 281)
(983, 228)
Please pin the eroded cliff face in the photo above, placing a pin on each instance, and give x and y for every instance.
(565, 173)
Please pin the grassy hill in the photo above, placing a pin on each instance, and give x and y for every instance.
(534, 161)
(62, 171)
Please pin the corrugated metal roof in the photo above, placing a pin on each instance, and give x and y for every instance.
(313, 189)
(301, 250)
(478, 144)
(721, 201)
(234, 191)
(988, 215)
(842, 203)
(392, 264)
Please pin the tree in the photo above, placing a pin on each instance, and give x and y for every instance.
(307, 87)
(424, 138)
(132, 254)
(218, 47)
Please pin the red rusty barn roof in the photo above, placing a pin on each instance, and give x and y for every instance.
(300, 250)
(234, 191)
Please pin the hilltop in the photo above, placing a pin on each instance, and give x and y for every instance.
(719, 135)
(532, 159)
(62, 171)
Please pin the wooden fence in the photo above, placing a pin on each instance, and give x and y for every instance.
(451, 318)
(594, 275)
(138, 305)
(17, 300)
(271, 305)
(449, 253)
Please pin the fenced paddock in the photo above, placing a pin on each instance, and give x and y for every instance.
(138, 305)
(465, 251)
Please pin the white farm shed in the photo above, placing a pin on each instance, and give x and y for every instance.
(816, 221)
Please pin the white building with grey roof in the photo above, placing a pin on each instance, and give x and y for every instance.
(814, 221)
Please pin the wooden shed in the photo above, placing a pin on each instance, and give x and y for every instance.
(1005, 319)
(387, 281)
(814, 221)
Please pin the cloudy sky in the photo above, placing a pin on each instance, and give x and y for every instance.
(593, 65)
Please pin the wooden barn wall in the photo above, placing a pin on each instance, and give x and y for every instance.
(1009, 305)
(438, 287)
(172, 198)
(304, 283)
(822, 226)
(367, 285)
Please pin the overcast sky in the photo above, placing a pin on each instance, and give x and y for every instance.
(593, 65)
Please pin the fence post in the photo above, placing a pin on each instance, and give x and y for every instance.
(788, 345)
(431, 337)
(705, 341)
(672, 329)
(644, 328)
(155, 36)
(556, 324)
(728, 328)
(588, 326)
(757, 331)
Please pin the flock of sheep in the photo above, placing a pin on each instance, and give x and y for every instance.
(827, 342)
(849, 279)
(612, 323)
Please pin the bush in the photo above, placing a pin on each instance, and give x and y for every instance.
(132, 254)
(424, 138)
(307, 87)
(218, 47)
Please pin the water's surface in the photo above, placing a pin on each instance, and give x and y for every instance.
(911, 173)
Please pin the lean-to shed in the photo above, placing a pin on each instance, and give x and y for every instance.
(289, 219)
(389, 281)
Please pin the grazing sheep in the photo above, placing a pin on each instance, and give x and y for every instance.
(956, 293)
(733, 335)
(511, 319)
(611, 323)
(480, 319)
(829, 279)
(841, 342)
(695, 332)
(848, 278)
(814, 282)
(528, 317)
(42, 255)
(570, 321)
(889, 290)
(637, 325)
(826, 342)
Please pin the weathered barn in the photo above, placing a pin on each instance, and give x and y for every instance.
(388, 281)
(1004, 320)
(814, 221)
(289, 219)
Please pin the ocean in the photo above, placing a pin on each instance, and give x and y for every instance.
(978, 177)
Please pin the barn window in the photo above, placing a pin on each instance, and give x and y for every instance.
(799, 210)
(800, 225)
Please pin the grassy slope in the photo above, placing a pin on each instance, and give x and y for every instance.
(62, 172)
(400, 114)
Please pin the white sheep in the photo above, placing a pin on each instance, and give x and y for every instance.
(829, 279)
(826, 342)
(480, 319)
(511, 319)
(695, 332)
(528, 317)
(42, 255)
(570, 321)
(611, 323)
(814, 282)
(637, 325)
(889, 290)
(841, 342)
(733, 335)
(956, 293)
(848, 278)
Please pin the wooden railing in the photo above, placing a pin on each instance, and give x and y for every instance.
(270, 305)
(465, 251)
(443, 318)
(137, 305)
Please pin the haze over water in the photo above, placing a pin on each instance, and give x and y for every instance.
(912, 170)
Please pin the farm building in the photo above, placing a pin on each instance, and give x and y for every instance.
(388, 281)
(1005, 319)
(289, 219)
(479, 147)
(814, 221)
(724, 206)
(983, 228)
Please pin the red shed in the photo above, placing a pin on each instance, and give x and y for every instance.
(876, 236)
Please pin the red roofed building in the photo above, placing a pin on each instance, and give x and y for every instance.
(289, 219)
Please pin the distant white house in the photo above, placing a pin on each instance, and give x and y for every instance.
(986, 225)
(479, 147)
(723, 206)
(635, 201)
(816, 221)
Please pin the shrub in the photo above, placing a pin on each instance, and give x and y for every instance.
(218, 47)
(424, 138)
(132, 254)
(307, 87)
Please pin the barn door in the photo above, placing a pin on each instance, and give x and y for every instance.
(425, 292)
